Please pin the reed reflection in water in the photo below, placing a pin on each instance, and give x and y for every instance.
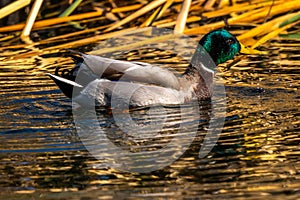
(256, 156)
(153, 138)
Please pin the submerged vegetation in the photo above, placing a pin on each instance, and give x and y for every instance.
(53, 25)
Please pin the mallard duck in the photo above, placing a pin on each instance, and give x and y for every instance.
(141, 84)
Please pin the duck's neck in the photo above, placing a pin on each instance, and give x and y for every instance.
(201, 74)
(202, 62)
(201, 71)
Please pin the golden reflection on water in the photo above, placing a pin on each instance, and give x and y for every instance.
(257, 154)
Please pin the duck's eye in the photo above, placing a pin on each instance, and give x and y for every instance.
(230, 41)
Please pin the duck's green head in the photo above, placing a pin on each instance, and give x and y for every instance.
(220, 44)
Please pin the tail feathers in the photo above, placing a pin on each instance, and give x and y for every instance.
(66, 86)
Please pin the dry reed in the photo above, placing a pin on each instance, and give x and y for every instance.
(265, 19)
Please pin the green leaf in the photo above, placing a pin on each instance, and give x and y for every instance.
(290, 20)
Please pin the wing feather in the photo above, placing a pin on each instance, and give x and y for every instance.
(131, 71)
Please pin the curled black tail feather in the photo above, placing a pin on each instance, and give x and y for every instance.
(65, 73)
(66, 88)
(80, 74)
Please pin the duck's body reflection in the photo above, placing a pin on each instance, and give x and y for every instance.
(144, 139)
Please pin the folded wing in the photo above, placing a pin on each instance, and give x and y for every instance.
(130, 71)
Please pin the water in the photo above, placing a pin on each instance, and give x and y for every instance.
(256, 156)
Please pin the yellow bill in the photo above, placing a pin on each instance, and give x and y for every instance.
(247, 50)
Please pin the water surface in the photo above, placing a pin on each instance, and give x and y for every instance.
(256, 156)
